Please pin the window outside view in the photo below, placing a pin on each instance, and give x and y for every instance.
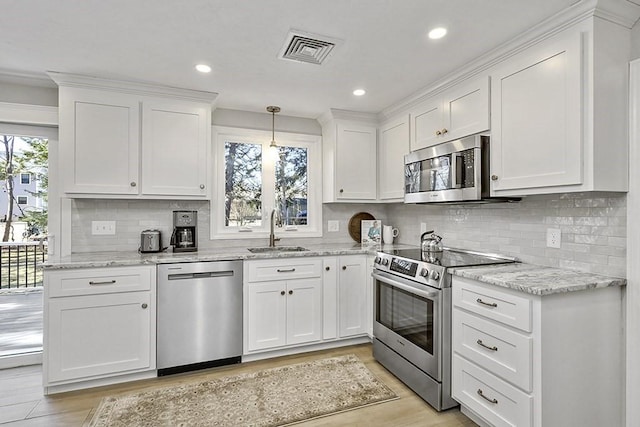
(246, 184)
(23, 243)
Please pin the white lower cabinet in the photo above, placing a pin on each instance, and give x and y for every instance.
(529, 360)
(301, 301)
(95, 328)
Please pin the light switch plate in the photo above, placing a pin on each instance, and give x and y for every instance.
(103, 227)
(333, 226)
(554, 237)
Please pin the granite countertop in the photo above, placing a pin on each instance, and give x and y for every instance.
(537, 279)
(114, 259)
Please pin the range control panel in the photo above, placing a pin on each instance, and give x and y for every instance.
(419, 271)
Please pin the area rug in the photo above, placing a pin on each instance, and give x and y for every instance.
(272, 397)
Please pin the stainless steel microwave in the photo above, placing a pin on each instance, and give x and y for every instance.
(451, 172)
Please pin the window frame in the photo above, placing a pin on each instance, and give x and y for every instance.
(313, 228)
(23, 174)
(26, 200)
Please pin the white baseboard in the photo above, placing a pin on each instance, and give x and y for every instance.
(17, 360)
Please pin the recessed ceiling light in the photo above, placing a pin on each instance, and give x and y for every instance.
(437, 33)
(359, 92)
(203, 68)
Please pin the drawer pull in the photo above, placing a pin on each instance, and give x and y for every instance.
(106, 282)
(488, 304)
(289, 270)
(494, 401)
(480, 343)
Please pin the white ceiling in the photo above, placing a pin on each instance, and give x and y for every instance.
(385, 49)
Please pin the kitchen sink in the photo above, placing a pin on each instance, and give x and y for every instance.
(277, 249)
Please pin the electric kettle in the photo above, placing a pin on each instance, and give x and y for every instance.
(430, 243)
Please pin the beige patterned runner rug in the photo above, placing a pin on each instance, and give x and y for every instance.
(272, 397)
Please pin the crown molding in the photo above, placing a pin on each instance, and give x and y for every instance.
(337, 114)
(620, 12)
(136, 88)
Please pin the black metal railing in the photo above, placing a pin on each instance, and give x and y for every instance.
(21, 264)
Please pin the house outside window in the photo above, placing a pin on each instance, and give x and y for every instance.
(25, 178)
(254, 179)
(23, 200)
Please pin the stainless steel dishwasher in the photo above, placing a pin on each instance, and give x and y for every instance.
(199, 315)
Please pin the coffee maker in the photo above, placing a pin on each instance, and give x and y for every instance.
(184, 237)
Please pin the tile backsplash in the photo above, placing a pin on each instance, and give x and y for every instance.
(593, 227)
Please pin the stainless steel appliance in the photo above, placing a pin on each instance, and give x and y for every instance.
(199, 315)
(412, 317)
(185, 231)
(453, 172)
(150, 241)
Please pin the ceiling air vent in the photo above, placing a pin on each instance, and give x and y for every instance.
(306, 47)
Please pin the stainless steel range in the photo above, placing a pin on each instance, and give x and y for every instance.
(412, 320)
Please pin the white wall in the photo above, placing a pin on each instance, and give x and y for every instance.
(26, 94)
(262, 121)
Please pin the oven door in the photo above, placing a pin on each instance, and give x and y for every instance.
(407, 319)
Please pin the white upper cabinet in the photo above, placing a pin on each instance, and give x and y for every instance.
(349, 157)
(559, 113)
(174, 157)
(120, 139)
(393, 145)
(457, 112)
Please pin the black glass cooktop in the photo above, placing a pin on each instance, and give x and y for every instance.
(449, 257)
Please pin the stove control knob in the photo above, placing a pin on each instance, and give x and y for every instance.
(435, 275)
(377, 260)
(385, 261)
(424, 272)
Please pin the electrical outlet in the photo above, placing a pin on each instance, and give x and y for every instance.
(333, 226)
(103, 227)
(554, 236)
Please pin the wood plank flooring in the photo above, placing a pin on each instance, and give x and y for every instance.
(20, 321)
(23, 404)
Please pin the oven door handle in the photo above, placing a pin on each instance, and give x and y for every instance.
(400, 285)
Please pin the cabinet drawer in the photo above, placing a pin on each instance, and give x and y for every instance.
(492, 303)
(290, 268)
(497, 349)
(494, 400)
(98, 280)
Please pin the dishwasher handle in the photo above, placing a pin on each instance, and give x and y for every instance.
(203, 275)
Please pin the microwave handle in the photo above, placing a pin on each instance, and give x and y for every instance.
(456, 170)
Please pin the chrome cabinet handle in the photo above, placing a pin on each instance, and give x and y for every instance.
(106, 282)
(444, 130)
(438, 133)
(133, 184)
(488, 304)
(202, 186)
(290, 270)
(494, 401)
(480, 343)
(144, 305)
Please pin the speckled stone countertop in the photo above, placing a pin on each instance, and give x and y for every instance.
(536, 279)
(113, 259)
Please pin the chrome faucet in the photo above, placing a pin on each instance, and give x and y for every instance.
(272, 236)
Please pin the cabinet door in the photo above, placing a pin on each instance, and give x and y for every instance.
(99, 141)
(174, 148)
(536, 120)
(352, 300)
(466, 110)
(394, 144)
(356, 162)
(266, 315)
(426, 124)
(330, 298)
(304, 310)
(99, 335)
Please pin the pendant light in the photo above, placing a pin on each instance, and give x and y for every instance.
(273, 110)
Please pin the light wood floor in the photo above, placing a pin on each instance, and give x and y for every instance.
(22, 402)
(20, 321)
